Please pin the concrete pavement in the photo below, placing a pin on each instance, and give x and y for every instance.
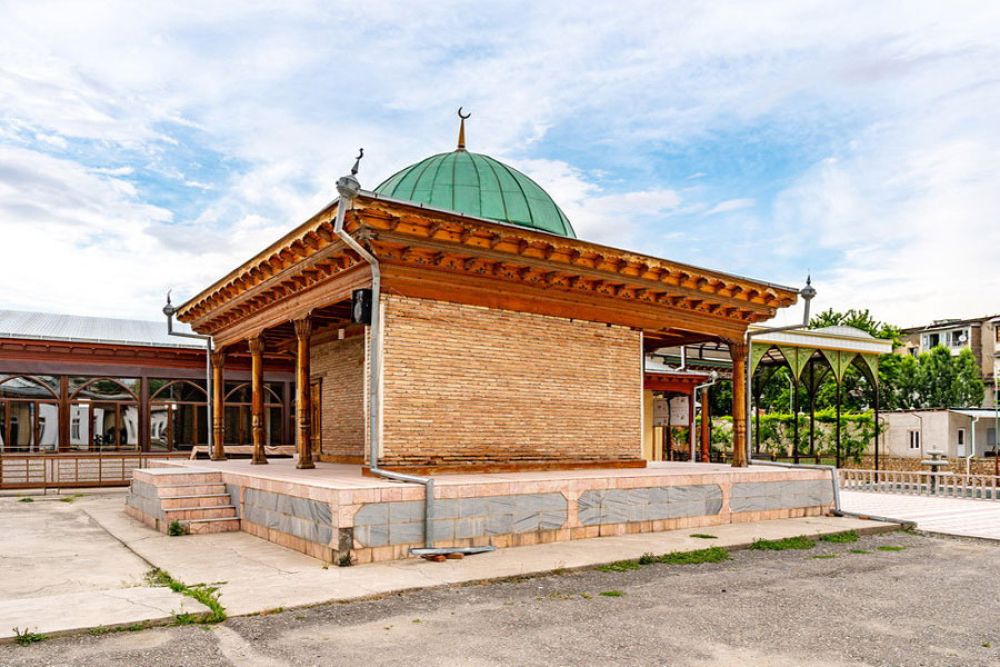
(60, 571)
(71, 566)
(948, 516)
(254, 575)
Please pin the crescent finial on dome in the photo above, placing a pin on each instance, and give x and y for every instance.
(461, 129)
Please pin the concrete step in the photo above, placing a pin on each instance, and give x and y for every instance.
(171, 477)
(196, 513)
(204, 500)
(190, 489)
(203, 526)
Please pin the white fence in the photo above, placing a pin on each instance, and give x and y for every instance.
(922, 483)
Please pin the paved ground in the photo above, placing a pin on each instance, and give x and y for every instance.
(949, 516)
(932, 603)
(104, 569)
(59, 568)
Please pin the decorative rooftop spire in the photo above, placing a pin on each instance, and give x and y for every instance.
(461, 129)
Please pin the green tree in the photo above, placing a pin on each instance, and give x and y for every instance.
(859, 319)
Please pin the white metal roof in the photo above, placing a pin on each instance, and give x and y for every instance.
(50, 326)
(847, 339)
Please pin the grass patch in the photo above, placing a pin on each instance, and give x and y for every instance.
(889, 547)
(841, 538)
(26, 637)
(25, 499)
(825, 556)
(704, 536)
(800, 542)
(70, 498)
(620, 566)
(647, 559)
(207, 595)
(710, 555)
(859, 551)
(612, 594)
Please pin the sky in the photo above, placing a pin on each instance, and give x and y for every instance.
(147, 147)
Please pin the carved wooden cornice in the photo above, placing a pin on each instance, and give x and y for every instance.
(458, 249)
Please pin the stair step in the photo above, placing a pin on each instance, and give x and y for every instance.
(189, 489)
(200, 513)
(205, 500)
(202, 526)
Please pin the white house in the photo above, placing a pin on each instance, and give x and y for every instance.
(959, 432)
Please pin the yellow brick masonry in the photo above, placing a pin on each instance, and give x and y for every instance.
(340, 364)
(467, 384)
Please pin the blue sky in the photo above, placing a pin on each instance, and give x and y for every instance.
(153, 146)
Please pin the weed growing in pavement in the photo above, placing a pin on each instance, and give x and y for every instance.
(176, 529)
(859, 551)
(185, 618)
(26, 637)
(704, 536)
(841, 538)
(25, 499)
(586, 596)
(710, 555)
(800, 542)
(612, 594)
(987, 644)
(70, 498)
(647, 559)
(889, 547)
(345, 560)
(826, 556)
(620, 566)
(207, 595)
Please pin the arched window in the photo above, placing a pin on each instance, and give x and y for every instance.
(104, 414)
(238, 414)
(29, 413)
(178, 415)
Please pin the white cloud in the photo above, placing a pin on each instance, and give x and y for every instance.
(730, 205)
(248, 112)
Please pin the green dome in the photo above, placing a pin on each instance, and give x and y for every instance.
(480, 186)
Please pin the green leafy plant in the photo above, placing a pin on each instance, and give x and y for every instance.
(26, 499)
(71, 498)
(26, 637)
(206, 595)
(710, 555)
(612, 594)
(824, 556)
(704, 536)
(889, 547)
(841, 538)
(859, 551)
(647, 559)
(619, 566)
(176, 529)
(800, 542)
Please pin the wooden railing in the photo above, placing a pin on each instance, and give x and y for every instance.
(921, 483)
(74, 470)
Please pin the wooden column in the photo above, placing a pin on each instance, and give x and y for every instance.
(303, 395)
(218, 398)
(706, 427)
(257, 399)
(738, 353)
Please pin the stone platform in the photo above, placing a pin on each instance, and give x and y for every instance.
(337, 514)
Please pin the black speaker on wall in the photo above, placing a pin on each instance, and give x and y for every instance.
(361, 306)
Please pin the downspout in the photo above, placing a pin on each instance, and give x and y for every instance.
(348, 188)
(169, 311)
(807, 293)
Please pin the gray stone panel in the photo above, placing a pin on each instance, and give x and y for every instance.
(378, 524)
(764, 496)
(610, 506)
(309, 519)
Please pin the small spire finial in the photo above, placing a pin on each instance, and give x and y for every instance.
(461, 129)
(357, 162)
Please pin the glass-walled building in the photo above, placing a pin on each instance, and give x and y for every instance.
(84, 384)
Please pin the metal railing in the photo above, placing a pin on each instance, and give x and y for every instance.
(74, 470)
(921, 483)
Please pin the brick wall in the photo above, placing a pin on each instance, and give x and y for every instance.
(466, 384)
(340, 364)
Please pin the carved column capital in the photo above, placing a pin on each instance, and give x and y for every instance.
(303, 327)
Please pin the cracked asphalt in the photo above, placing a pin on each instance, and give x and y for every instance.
(932, 602)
